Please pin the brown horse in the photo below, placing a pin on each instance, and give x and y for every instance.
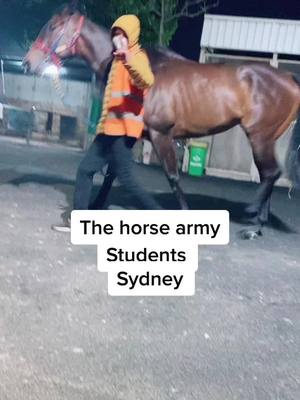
(192, 100)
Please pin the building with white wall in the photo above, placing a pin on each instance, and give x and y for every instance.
(242, 39)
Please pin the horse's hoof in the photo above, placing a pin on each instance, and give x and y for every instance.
(251, 234)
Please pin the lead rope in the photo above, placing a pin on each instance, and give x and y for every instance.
(2, 77)
(57, 83)
(58, 87)
(56, 77)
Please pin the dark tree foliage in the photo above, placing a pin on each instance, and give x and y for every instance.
(22, 20)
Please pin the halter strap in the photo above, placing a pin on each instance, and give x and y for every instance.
(41, 45)
(76, 35)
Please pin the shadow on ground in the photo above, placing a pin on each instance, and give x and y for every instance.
(118, 198)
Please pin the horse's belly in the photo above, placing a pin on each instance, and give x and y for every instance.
(193, 109)
(205, 121)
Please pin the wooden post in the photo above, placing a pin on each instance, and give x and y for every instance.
(202, 58)
(274, 61)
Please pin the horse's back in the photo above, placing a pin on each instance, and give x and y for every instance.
(195, 97)
(211, 97)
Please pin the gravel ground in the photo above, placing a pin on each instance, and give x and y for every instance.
(63, 337)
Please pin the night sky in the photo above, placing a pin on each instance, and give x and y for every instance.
(187, 38)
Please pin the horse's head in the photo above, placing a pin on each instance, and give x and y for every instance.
(58, 39)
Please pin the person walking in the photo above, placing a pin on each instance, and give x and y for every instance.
(121, 123)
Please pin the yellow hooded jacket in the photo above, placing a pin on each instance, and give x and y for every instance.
(127, 83)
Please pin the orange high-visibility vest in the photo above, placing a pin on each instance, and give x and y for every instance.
(125, 108)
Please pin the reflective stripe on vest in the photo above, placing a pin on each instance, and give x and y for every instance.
(137, 98)
(128, 127)
(123, 123)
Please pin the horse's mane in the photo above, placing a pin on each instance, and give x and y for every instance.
(158, 55)
(71, 8)
(163, 53)
(60, 9)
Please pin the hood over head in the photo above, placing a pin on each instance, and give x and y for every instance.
(131, 25)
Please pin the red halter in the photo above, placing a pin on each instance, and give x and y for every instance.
(41, 45)
(76, 35)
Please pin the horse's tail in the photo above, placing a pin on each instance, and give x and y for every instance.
(293, 156)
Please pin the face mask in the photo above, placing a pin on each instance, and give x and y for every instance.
(120, 42)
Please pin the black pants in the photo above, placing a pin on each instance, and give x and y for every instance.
(115, 151)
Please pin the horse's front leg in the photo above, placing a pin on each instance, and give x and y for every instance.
(164, 148)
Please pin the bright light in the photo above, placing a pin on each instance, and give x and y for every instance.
(51, 70)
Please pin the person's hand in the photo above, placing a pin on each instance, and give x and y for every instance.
(122, 54)
(121, 48)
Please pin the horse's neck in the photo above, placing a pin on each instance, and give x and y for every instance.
(100, 47)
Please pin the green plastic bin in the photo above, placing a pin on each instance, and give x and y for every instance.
(94, 115)
(197, 158)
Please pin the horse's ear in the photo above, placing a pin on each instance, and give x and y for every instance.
(77, 6)
(73, 6)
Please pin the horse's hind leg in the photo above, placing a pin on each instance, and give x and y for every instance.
(163, 146)
(269, 172)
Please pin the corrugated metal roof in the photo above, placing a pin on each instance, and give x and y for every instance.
(251, 34)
